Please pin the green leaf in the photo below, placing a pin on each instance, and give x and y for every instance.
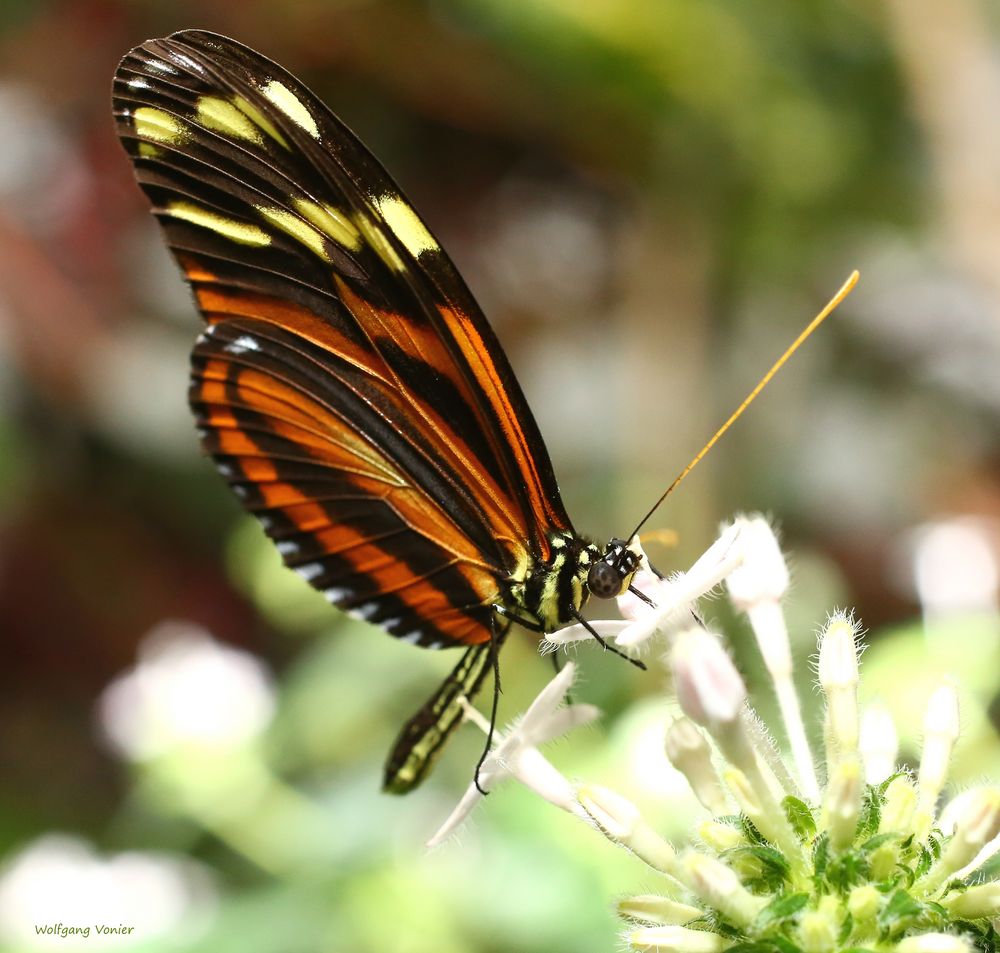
(800, 817)
(884, 785)
(899, 912)
(846, 929)
(924, 861)
(934, 843)
(821, 856)
(716, 923)
(845, 870)
(771, 858)
(983, 937)
(956, 886)
(877, 841)
(785, 945)
(779, 910)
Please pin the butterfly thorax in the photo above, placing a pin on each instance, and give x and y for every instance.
(551, 592)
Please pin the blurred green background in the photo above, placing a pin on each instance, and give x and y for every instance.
(649, 198)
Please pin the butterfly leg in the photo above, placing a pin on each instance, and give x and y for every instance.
(641, 595)
(610, 648)
(534, 627)
(496, 639)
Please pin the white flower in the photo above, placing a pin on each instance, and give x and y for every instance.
(186, 689)
(868, 861)
(673, 598)
(516, 754)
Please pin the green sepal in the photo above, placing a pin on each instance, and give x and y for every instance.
(846, 929)
(780, 910)
(775, 867)
(871, 813)
(800, 817)
(775, 944)
(877, 841)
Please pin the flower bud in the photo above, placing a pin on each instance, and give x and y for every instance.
(976, 825)
(743, 793)
(941, 726)
(863, 903)
(720, 837)
(689, 752)
(671, 939)
(756, 587)
(843, 804)
(933, 943)
(817, 932)
(767, 816)
(620, 821)
(709, 689)
(654, 909)
(763, 576)
(900, 803)
(883, 860)
(977, 902)
(718, 887)
(838, 675)
(879, 744)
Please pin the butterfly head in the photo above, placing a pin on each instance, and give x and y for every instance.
(612, 574)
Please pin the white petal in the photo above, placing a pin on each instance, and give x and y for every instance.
(534, 771)
(462, 810)
(605, 628)
(676, 595)
(563, 721)
(630, 605)
(548, 700)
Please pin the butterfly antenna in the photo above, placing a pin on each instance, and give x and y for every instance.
(844, 291)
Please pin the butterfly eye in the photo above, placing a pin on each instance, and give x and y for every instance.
(604, 580)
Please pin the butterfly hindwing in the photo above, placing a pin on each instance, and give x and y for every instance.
(301, 442)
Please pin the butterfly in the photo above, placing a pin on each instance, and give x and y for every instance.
(347, 385)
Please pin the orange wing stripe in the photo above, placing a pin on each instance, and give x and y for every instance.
(480, 360)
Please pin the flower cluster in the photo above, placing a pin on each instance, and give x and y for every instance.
(850, 853)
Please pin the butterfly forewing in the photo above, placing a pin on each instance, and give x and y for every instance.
(275, 210)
